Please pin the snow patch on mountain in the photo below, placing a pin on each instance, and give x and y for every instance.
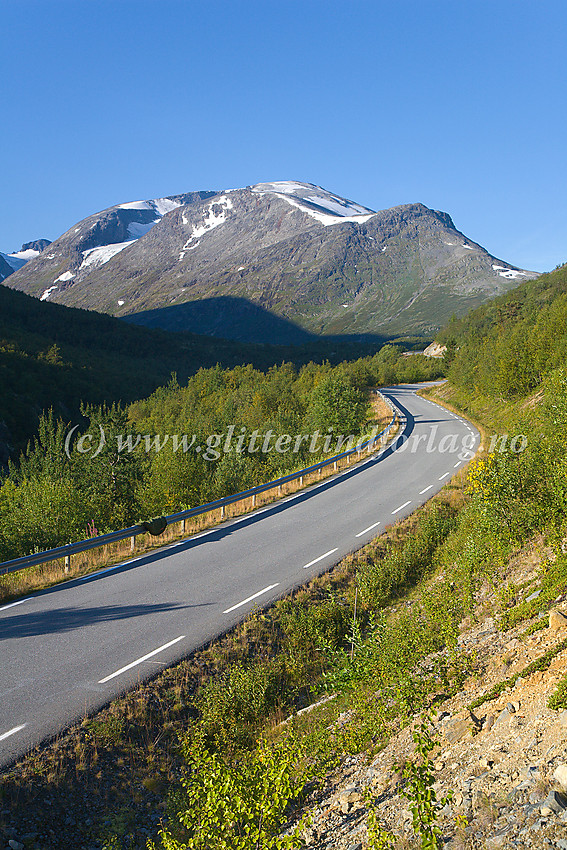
(101, 255)
(161, 206)
(47, 293)
(135, 205)
(164, 205)
(326, 208)
(509, 274)
(137, 229)
(214, 215)
(63, 277)
(14, 262)
(26, 255)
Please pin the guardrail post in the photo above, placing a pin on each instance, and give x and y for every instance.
(67, 564)
(301, 480)
(132, 543)
(222, 512)
(183, 526)
(335, 466)
(254, 500)
(279, 490)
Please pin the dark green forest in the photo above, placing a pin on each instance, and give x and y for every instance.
(507, 347)
(56, 357)
(150, 465)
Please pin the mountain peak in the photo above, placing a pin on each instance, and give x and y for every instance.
(317, 202)
(216, 262)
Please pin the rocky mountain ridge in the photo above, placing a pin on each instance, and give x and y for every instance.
(292, 250)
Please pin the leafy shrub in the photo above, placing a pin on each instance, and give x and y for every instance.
(237, 804)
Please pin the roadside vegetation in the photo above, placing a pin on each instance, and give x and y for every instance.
(186, 445)
(216, 751)
(219, 746)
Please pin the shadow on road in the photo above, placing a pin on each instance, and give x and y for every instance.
(67, 619)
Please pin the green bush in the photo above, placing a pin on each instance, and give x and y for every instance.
(237, 804)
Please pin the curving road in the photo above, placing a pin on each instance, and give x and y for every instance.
(69, 650)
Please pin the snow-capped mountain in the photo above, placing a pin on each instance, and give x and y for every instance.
(215, 262)
(10, 263)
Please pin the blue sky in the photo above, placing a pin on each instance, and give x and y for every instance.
(461, 106)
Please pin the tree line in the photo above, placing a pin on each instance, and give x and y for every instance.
(65, 488)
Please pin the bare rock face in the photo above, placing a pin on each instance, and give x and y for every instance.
(292, 250)
(557, 620)
(36, 245)
(560, 777)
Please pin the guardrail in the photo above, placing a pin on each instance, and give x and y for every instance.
(158, 526)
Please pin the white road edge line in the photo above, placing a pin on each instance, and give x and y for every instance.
(421, 492)
(405, 504)
(445, 474)
(11, 605)
(140, 660)
(320, 558)
(370, 527)
(457, 464)
(12, 731)
(250, 598)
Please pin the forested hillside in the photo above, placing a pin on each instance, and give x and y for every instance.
(56, 357)
(173, 450)
(506, 347)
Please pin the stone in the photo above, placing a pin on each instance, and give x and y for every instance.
(560, 776)
(488, 722)
(456, 729)
(556, 802)
(557, 620)
(15, 845)
(545, 811)
(504, 715)
(496, 841)
(348, 797)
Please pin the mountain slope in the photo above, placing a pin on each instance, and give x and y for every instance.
(507, 347)
(55, 356)
(10, 263)
(324, 263)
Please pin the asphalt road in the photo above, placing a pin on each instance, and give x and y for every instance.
(69, 650)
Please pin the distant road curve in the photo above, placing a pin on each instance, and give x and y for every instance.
(69, 650)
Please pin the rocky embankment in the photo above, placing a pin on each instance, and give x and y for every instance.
(504, 763)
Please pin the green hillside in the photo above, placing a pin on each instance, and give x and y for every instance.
(506, 347)
(54, 356)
